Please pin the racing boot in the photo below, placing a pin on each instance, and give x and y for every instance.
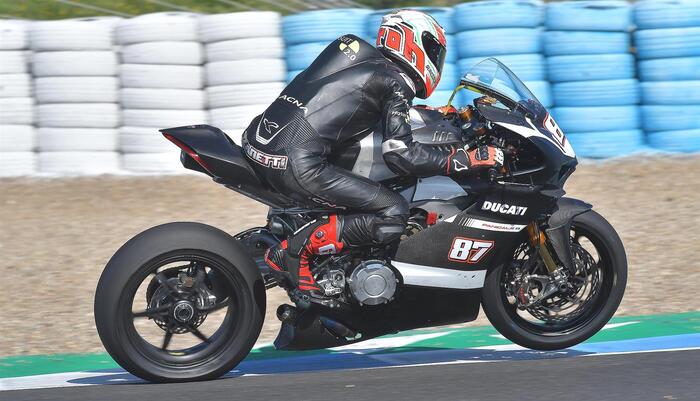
(292, 256)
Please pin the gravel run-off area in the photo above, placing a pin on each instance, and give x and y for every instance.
(57, 234)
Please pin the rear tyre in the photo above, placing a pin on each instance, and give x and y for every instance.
(543, 332)
(189, 273)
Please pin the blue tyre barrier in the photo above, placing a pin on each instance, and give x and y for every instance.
(443, 15)
(598, 15)
(617, 92)
(653, 14)
(670, 69)
(498, 13)
(494, 42)
(324, 25)
(670, 118)
(672, 92)
(686, 141)
(601, 145)
(528, 67)
(665, 43)
(590, 67)
(597, 119)
(301, 56)
(451, 56)
(560, 43)
(450, 78)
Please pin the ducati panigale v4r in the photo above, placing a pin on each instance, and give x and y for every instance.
(186, 301)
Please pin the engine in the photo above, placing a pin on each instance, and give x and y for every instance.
(372, 282)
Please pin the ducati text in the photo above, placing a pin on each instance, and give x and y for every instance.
(504, 208)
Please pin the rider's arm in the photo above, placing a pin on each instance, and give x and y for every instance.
(401, 153)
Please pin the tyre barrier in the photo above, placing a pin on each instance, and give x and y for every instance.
(670, 69)
(302, 55)
(13, 35)
(160, 162)
(159, 99)
(78, 115)
(71, 34)
(683, 141)
(75, 63)
(13, 164)
(252, 24)
(13, 62)
(498, 13)
(143, 140)
(666, 43)
(17, 138)
(561, 43)
(670, 117)
(671, 93)
(15, 85)
(174, 53)
(158, 27)
(605, 144)
(324, 25)
(162, 118)
(590, 67)
(247, 48)
(499, 41)
(618, 92)
(17, 110)
(243, 94)
(77, 139)
(655, 14)
(597, 119)
(79, 163)
(76, 90)
(591, 15)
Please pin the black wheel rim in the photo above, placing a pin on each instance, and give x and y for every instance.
(603, 278)
(205, 345)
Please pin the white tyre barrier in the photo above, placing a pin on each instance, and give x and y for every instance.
(246, 71)
(254, 24)
(143, 140)
(74, 63)
(76, 139)
(244, 94)
(77, 89)
(162, 162)
(241, 49)
(14, 164)
(17, 110)
(177, 99)
(161, 76)
(70, 34)
(163, 118)
(13, 62)
(179, 53)
(13, 35)
(79, 163)
(15, 85)
(17, 138)
(78, 115)
(167, 26)
(235, 117)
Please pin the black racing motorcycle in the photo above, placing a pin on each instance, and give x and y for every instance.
(186, 301)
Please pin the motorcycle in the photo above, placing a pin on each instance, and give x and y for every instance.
(186, 301)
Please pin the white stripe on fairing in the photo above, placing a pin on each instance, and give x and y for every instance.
(494, 226)
(428, 276)
(450, 219)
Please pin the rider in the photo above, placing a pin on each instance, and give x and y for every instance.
(349, 89)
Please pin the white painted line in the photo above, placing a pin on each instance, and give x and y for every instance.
(378, 344)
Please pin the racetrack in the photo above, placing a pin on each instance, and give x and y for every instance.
(637, 358)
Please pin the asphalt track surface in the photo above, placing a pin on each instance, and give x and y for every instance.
(670, 375)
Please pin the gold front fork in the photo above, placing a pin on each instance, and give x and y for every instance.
(538, 240)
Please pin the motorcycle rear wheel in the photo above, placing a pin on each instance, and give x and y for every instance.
(154, 260)
(530, 333)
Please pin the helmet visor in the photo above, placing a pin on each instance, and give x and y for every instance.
(434, 50)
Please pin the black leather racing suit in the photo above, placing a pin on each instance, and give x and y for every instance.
(340, 98)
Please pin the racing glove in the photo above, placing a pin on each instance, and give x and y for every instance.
(462, 159)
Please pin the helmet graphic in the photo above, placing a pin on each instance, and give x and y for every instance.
(416, 42)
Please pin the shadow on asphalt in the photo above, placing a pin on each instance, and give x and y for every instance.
(356, 359)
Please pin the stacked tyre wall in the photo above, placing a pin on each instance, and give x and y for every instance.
(17, 134)
(509, 30)
(87, 96)
(245, 67)
(594, 85)
(162, 85)
(668, 53)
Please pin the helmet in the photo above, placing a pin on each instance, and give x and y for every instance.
(416, 42)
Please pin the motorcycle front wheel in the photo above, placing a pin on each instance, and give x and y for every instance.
(179, 302)
(566, 318)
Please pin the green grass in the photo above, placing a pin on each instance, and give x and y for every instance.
(51, 9)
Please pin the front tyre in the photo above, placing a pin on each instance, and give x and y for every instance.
(179, 302)
(563, 319)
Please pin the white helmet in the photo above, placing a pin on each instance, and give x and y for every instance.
(416, 42)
